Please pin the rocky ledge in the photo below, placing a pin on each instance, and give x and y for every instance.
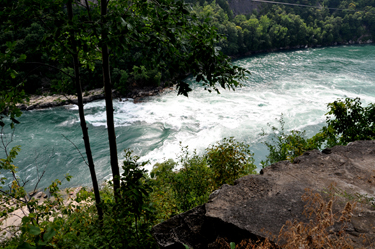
(257, 206)
(47, 101)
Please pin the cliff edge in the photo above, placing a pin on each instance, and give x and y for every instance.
(257, 206)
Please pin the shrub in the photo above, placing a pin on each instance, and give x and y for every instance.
(128, 220)
(289, 145)
(121, 80)
(347, 121)
(229, 160)
(187, 187)
(181, 186)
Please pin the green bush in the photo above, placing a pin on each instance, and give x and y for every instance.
(185, 187)
(288, 145)
(181, 186)
(146, 77)
(63, 83)
(228, 160)
(128, 221)
(349, 121)
(120, 78)
(346, 119)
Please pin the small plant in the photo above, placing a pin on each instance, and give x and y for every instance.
(187, 183)
(184, 188)
(333, 190)
(229, 160)
(289, 145)
(350, 121)
(347, 121)
(121, 80)
(129, 219)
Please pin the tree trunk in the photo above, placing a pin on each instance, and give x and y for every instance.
(109, 104)
(82, 115)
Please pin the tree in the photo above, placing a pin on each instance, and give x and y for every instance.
(81, 111)
(63, 39)
(11, 93)
(112, 27)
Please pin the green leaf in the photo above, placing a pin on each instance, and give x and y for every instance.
(42, 243)
(49, 234)
(14, 121)
(34, 230)
(123, 23)
(25, 219)
(13, 74)
(232, 245)
(25, 245)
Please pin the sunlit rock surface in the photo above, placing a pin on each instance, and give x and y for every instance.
(261, 204)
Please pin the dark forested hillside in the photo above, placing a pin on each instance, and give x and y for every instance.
(271, 26)
(260, 27)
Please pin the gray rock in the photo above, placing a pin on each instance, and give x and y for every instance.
(261, 204)
(243, 7)
(38, 195)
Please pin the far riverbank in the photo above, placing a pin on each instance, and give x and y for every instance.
(301, 47)
(47, 101)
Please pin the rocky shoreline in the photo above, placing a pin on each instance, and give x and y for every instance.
(10, 225)
(47, 101)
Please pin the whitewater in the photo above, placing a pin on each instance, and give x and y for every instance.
(295, 84)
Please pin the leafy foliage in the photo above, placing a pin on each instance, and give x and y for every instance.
(153, 42)
(347, 121)
(189, 182)
(289, 145)
(11, 87)
(228, 160)
(59, 223)
(143, 201)
(127, 223)
(273, 26)
(350, 121)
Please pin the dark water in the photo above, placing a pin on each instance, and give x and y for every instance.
(296, 84)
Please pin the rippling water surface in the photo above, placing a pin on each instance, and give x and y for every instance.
(297, 84)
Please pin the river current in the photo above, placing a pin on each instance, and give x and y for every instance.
(297, 84)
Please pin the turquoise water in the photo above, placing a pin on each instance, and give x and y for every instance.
(297, 84)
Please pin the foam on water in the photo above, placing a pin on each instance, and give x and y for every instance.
(296, 84)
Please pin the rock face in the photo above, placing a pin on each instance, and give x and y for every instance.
(42, 102)
(243, 6)
(261, 204)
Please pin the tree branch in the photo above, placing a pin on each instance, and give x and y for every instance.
(42, 64)
(76, 149)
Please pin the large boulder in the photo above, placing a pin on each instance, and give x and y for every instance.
(257, 206)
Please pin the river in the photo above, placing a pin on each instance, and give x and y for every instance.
(297, 84)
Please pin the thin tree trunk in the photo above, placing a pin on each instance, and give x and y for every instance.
(109, 105)
(82, 116)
